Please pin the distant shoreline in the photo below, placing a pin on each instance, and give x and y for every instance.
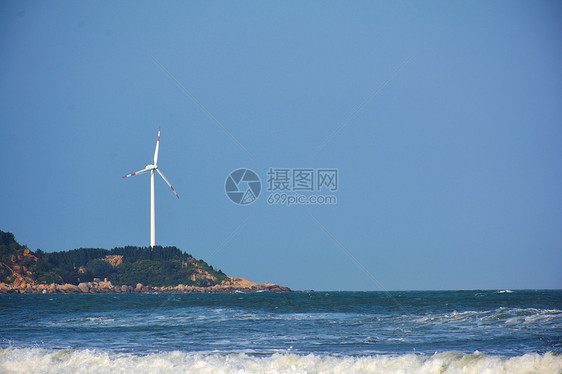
(95, 287)
(81, 271)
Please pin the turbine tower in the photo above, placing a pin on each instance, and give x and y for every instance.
(151, 169)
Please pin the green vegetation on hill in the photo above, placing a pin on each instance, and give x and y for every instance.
(158, 266)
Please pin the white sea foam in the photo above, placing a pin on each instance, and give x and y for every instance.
(37, 360)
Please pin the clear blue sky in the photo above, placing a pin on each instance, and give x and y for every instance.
(443, 120)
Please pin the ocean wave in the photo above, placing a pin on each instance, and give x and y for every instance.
(507, 316)
(30, 360)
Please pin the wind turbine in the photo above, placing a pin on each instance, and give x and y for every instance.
(151, 169)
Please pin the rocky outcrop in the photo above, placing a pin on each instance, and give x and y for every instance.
(200, 274)
(18, 273)
(105, 286)
(114, 260)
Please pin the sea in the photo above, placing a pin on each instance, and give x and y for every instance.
(478, 331)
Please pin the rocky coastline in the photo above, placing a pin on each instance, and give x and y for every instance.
(105, 286)
(81, 271)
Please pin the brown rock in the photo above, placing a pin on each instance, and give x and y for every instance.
(126, 289)
(68, 288)
(239, 282)
(105, 284)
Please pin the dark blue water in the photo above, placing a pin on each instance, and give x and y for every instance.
(350, 326)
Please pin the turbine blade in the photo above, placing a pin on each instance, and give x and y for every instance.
(165, 180)
(157, 146)
(138, 172)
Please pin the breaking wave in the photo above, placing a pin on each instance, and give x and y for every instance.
(30, 360)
